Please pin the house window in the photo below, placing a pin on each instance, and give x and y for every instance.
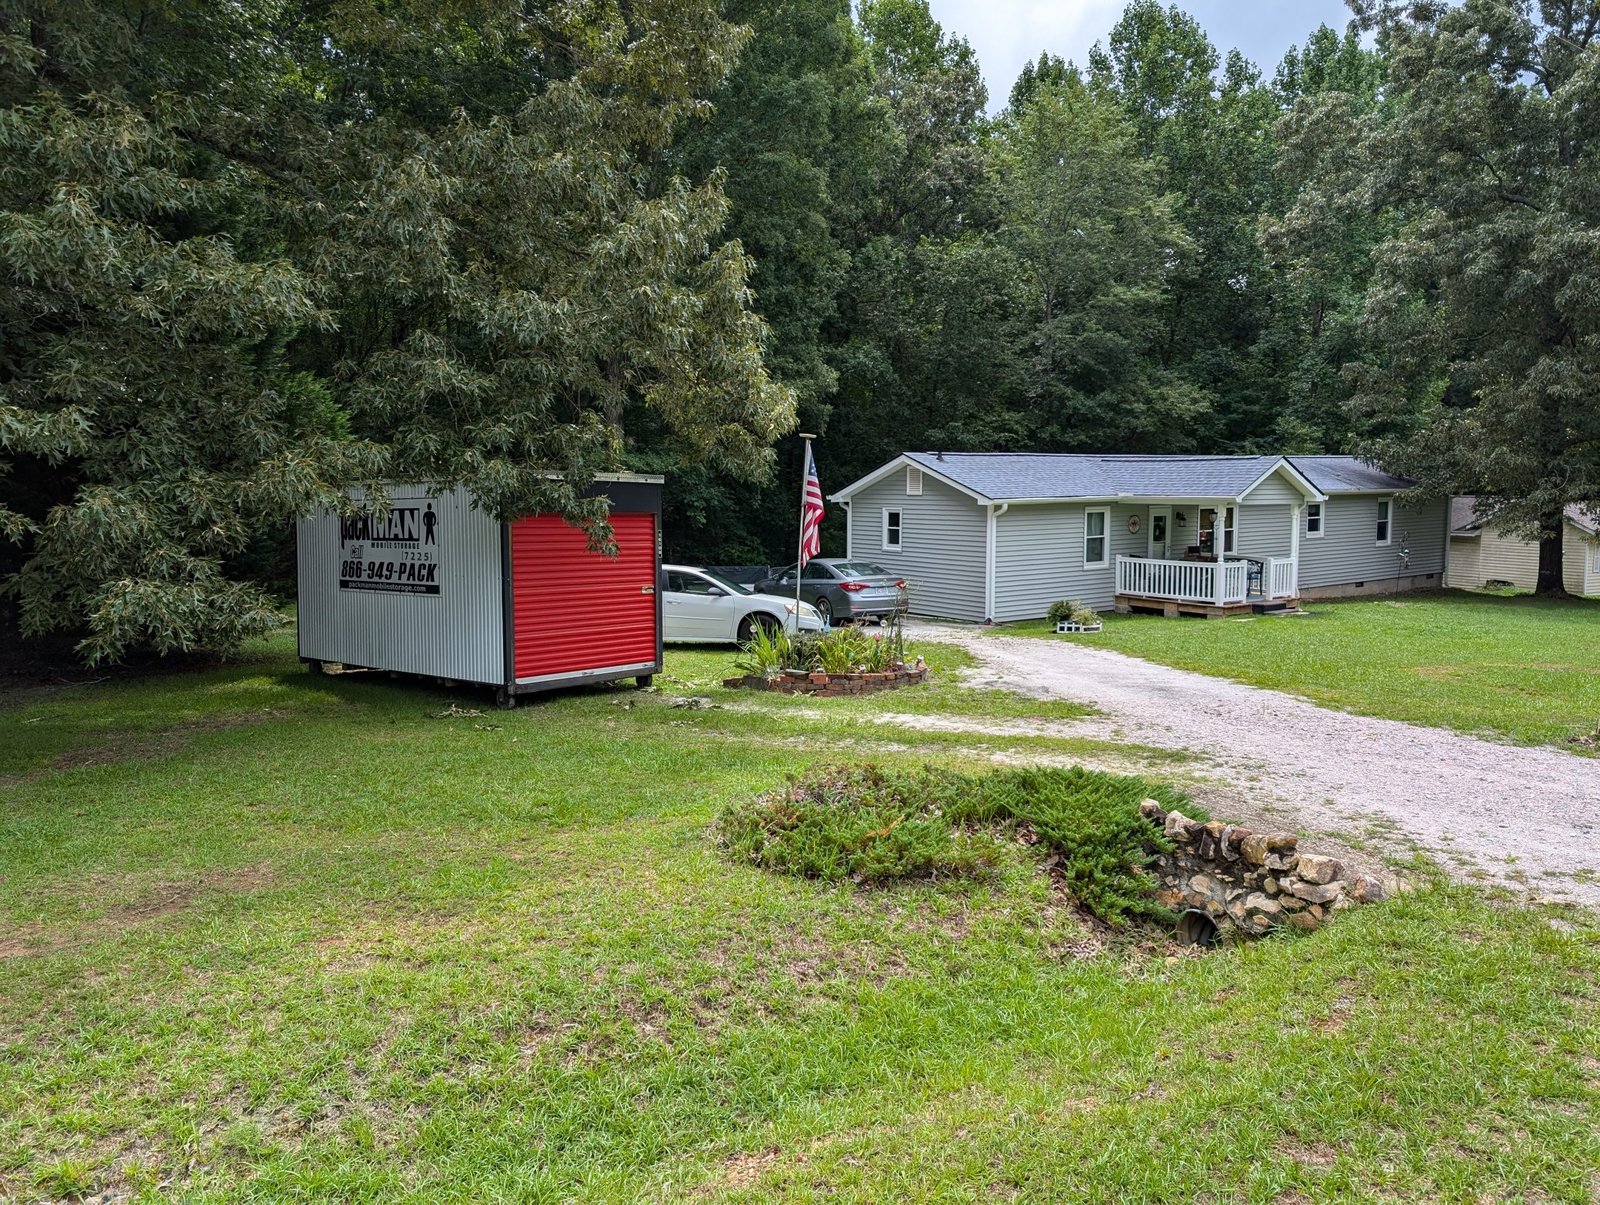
(1313, 520)
(1384, 505)
(1096, 541)
(913, 480)
(891, 531)
(1208, 530)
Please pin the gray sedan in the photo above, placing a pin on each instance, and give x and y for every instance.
(843, 589)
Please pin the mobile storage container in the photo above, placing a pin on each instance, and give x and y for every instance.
(438, 588)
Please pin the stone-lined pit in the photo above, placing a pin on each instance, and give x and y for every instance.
(1250, 883)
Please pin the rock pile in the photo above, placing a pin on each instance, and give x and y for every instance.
(1249, 882)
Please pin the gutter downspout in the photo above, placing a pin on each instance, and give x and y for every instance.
(988, 569)
(849, 531)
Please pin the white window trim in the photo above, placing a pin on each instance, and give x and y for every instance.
(913, 481)
(1322, 520)
(901, 524)
(1227, 517)
(1104, 536)
(1386, 517)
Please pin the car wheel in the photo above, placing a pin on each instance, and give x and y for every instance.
(749, 624)
(825, 609)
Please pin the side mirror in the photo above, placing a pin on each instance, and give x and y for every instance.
(716, 592)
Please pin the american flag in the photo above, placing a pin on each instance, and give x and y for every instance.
(811, 512)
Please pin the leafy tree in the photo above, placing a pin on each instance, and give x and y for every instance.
(1318, 240)
(147, 403)
(1083, 214)
(255, 253)
(1482, 312)
(1051, 71)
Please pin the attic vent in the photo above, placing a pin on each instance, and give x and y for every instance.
(913, 479)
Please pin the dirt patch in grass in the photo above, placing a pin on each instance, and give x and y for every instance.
(161, 899)
(124, 746)
(1317, 1155)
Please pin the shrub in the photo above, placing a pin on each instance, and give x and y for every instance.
(1070, 610)
(872, 825)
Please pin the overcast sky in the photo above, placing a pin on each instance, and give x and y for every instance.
(1007, 33)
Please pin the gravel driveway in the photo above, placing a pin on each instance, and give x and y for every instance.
(1524, 815)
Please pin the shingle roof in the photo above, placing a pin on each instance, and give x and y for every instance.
(1347, 475)
(1464, 517)
(1012, 475)
(1003, 475)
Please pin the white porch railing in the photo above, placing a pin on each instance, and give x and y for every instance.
(1196, 581)
(1183, 581)
(1283, 577)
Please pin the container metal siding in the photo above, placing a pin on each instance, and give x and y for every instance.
(576, 610)
(1347, 553)
(458, 633)
(942, 553)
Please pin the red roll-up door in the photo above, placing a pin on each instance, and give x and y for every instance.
(577, 610)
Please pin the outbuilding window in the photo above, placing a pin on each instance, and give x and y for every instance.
(1096, 537)
(1313, 520)
(913, 480)
(1384, 507)
(891, 530)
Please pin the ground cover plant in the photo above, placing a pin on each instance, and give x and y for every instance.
(266, 936)
(871, 825)
(1519, 668)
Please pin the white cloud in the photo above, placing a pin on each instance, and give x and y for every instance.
(1008, 33)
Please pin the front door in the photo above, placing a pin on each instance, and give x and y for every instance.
(1160, 530)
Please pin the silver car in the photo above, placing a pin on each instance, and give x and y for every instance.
(701, 608)
(843, 589)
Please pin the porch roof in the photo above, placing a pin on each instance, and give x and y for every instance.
(1042, 476)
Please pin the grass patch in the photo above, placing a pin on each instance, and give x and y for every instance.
(349, 951)
(1516, 668)
(872, 825)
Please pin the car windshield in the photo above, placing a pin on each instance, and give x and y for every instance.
(730, 587)
(862, 569)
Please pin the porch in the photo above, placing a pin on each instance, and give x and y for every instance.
(1211, 588)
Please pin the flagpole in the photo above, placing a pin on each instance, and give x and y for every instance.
(800, 547)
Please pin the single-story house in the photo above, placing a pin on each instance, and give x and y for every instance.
(1479, 555)
(1000, 536)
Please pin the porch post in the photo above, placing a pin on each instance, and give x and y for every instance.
(1294, 546)
(1219, 539)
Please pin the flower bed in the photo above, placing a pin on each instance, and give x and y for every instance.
(817, 682)
(843, 661)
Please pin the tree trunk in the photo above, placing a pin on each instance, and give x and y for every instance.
(1552, 579)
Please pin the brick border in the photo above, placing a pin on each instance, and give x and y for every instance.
(827, 686)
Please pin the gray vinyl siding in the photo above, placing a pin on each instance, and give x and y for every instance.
(1274, 491)
(944, 537)
(1038, 558)
(1264, 531)
(1347, 552)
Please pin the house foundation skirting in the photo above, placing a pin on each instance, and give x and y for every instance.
(1375, 585)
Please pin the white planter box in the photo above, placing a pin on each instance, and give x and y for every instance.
(1065, 626)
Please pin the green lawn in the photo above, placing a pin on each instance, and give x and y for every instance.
(1512, 667)
(267, 936)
